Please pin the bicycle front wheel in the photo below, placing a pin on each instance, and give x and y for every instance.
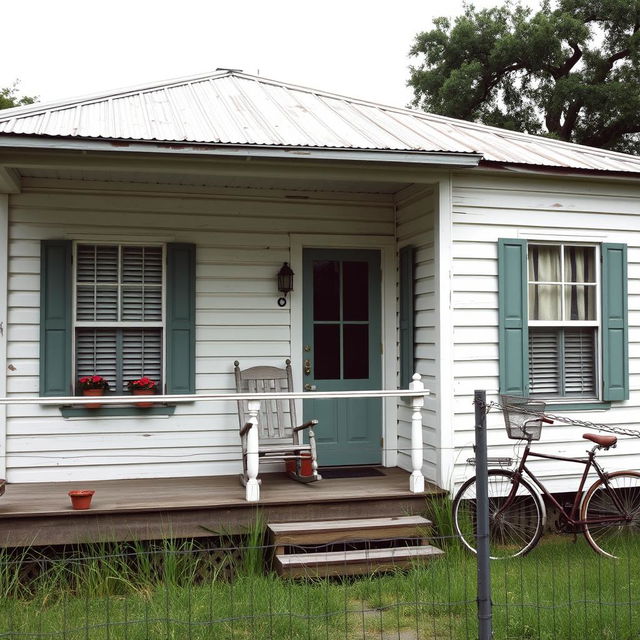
(515, 521)
(611, 513)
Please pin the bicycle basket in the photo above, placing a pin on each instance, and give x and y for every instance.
(520, 417)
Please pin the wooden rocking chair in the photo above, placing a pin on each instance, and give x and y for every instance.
(279, 435)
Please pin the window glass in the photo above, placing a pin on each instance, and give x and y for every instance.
(119, 285)
(327, 349)
(326, 290)
(356, 351)
(562, 292)
(355, 297)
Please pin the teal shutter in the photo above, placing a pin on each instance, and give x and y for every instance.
(615, 327)
(513, 321)
(406, 274)
(55, 318)
(181, 318)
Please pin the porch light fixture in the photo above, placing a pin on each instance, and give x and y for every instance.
(285, 283)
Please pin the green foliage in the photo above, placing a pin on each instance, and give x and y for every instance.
(9, 97)
(569, 71)
(562, 590)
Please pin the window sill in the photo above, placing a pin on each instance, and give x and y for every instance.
(595, 405)
(69, 411)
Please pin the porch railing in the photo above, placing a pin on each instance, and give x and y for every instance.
(416, 392)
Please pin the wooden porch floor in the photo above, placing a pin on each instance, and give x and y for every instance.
(147, 509)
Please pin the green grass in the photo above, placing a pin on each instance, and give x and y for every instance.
(561, 590)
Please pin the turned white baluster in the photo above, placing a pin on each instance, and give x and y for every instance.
(253, 487)
(416, 481)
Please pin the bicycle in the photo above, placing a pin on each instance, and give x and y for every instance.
(607, 513)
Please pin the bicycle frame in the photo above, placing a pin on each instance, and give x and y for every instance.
(571, 517)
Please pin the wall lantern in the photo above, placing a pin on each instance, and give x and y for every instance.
(285, 283)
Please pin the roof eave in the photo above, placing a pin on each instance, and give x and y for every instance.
(442, 158)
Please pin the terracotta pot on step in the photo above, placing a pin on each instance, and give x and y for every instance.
(81, 498)
(143, 392)
(306, 469)
(93, 392)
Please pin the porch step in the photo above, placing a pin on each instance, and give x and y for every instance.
(349, 547)
(327, 531)
(352, 562)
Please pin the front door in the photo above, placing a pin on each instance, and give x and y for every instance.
(342, 352)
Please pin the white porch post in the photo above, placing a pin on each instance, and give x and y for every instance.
(416, 482)
(253, 487)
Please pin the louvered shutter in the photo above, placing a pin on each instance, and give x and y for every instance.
(406, 337)
(55, 317)
(513, 334)
(141, 354)
(545, 376)
(615, 326)
(181, 318)
(142, 284)
(97, 353)
(579, 362)
(97, 283)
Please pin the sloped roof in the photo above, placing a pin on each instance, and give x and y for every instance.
(235, 108)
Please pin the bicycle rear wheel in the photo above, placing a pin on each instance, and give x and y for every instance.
(514, 527)
(620, 536)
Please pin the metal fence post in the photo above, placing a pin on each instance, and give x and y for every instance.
(482, 485)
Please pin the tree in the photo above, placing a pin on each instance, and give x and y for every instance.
(570, 71)
(9, 97)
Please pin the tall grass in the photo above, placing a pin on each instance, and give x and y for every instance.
(561, 590)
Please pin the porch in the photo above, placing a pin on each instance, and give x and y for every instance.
(33, 514)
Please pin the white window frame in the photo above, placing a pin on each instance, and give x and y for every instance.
(120, 324)
(597, 323)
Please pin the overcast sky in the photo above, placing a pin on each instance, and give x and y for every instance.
(359, 48)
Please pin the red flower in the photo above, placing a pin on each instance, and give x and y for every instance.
(142, 383)
(93, 382)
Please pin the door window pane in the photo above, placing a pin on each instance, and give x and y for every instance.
(326, 340)
(356, 351)
(326, 290)
(355, 296)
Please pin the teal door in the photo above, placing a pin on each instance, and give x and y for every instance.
(342, 352)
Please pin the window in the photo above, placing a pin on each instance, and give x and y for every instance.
(563, 328)
(563, 320)
(115, 310)
(119, 330)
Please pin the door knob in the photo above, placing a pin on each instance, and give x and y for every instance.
(309, 387)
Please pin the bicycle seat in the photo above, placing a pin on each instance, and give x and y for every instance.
(603, 441)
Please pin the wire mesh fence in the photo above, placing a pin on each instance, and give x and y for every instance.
(225, 590)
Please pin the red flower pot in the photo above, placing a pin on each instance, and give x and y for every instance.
(93, 392)
(143, 392)
(81, 498)
(305, 465)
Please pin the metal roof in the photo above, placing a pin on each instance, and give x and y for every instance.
(234, 108)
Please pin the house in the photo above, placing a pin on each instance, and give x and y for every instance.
(143, 230)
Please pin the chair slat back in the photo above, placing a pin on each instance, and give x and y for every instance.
(277, 417)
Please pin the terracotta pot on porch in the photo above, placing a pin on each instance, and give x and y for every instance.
(81, 498)
(93, 392)
(305, 465)
(143, 392)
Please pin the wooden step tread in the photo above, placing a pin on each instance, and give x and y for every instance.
(308, 527)
(372, 556)
(352, 562)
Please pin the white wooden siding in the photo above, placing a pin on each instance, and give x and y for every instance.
(487, 208)
(415, 226)
(241, 244)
